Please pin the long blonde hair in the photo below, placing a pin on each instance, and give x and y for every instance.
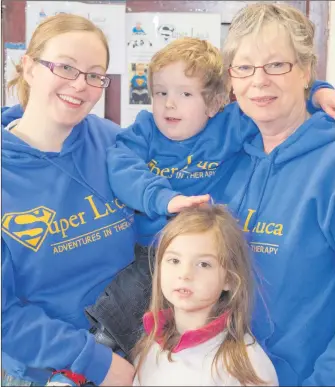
(50, 27)
(233, 255)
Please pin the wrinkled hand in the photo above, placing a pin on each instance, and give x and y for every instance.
(326, 99)
(120, 373)
(180, 202)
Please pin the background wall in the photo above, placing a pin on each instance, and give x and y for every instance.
(13, 30)
(331, 45)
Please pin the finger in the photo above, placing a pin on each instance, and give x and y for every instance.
(200, 198)
(330, 111)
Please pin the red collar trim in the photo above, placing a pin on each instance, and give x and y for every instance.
(189, 338)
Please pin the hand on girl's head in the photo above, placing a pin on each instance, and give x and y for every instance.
(180, 202)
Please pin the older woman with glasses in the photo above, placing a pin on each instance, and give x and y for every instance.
(281, 187)
(65, 235)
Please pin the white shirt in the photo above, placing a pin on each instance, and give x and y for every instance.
(193, 366)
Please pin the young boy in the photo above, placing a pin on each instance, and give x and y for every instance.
(177, 149)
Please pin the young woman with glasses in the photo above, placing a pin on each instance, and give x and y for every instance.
(64, 234)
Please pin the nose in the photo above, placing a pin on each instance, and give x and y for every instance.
(170, 103)
(260, 78)
(185, 272)
(79, 83)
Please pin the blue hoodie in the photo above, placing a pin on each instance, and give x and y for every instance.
(285, 202)
(64, 237)
(146, 169)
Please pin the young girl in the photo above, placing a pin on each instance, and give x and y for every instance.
(197, 329)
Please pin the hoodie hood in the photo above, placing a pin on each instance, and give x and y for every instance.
(314, 133)
(16, 151)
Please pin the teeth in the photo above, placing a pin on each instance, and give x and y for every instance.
(70, 99)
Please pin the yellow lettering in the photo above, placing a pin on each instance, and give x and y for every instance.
(72, 220)
(57, 230)
(111, 210)
(94, 208)
(212, 166)
(267, 229)
(247, 221)
(165, 170)
(153, 167)
(202, 164)
(259, 228)
(81, 214)
(119, 204)
(64, 225)
(173, 170)
(278, 230)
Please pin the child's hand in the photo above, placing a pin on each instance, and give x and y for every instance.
(326, 99)
(180, 202)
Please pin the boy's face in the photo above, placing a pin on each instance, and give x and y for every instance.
(140, 69)
(179, 109)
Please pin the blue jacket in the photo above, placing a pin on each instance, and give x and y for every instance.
(64, 238)
(285, 203)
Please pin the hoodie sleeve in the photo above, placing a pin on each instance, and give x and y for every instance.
(129, 174)
(312, 107)
(324, 368)
(31, 337)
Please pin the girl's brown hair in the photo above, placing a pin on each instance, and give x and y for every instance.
(48, 29)
(233, 254)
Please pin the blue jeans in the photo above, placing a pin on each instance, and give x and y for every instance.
(116, 317)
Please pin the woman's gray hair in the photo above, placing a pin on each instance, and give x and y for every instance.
(252, 18)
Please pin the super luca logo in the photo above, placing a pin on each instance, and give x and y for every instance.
(258, 228)
(200, 169)
(29, 228)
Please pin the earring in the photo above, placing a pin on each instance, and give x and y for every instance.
(306, 87)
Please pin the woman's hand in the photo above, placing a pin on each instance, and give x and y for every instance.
(180, 202)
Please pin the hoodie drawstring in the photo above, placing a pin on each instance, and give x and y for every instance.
(84, 183)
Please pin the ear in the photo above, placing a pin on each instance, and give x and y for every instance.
(28, 66)
(226, 287)
(306, 75)
(216, 104)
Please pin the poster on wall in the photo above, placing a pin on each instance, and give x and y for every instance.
(109, 17)
(147, 33)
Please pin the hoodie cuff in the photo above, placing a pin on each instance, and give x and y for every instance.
(162, 200)
(100, 364)
(317, 85)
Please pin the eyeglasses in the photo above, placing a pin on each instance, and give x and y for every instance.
(68, 72)
(275, 68)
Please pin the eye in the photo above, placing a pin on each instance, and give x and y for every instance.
(161, 93)
(67, 68)
(174, 261)
(276, 65)
(204, 265)
(244, 68)
(186, 94)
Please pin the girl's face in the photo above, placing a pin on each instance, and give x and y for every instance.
(192, 278)
(62, 101)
